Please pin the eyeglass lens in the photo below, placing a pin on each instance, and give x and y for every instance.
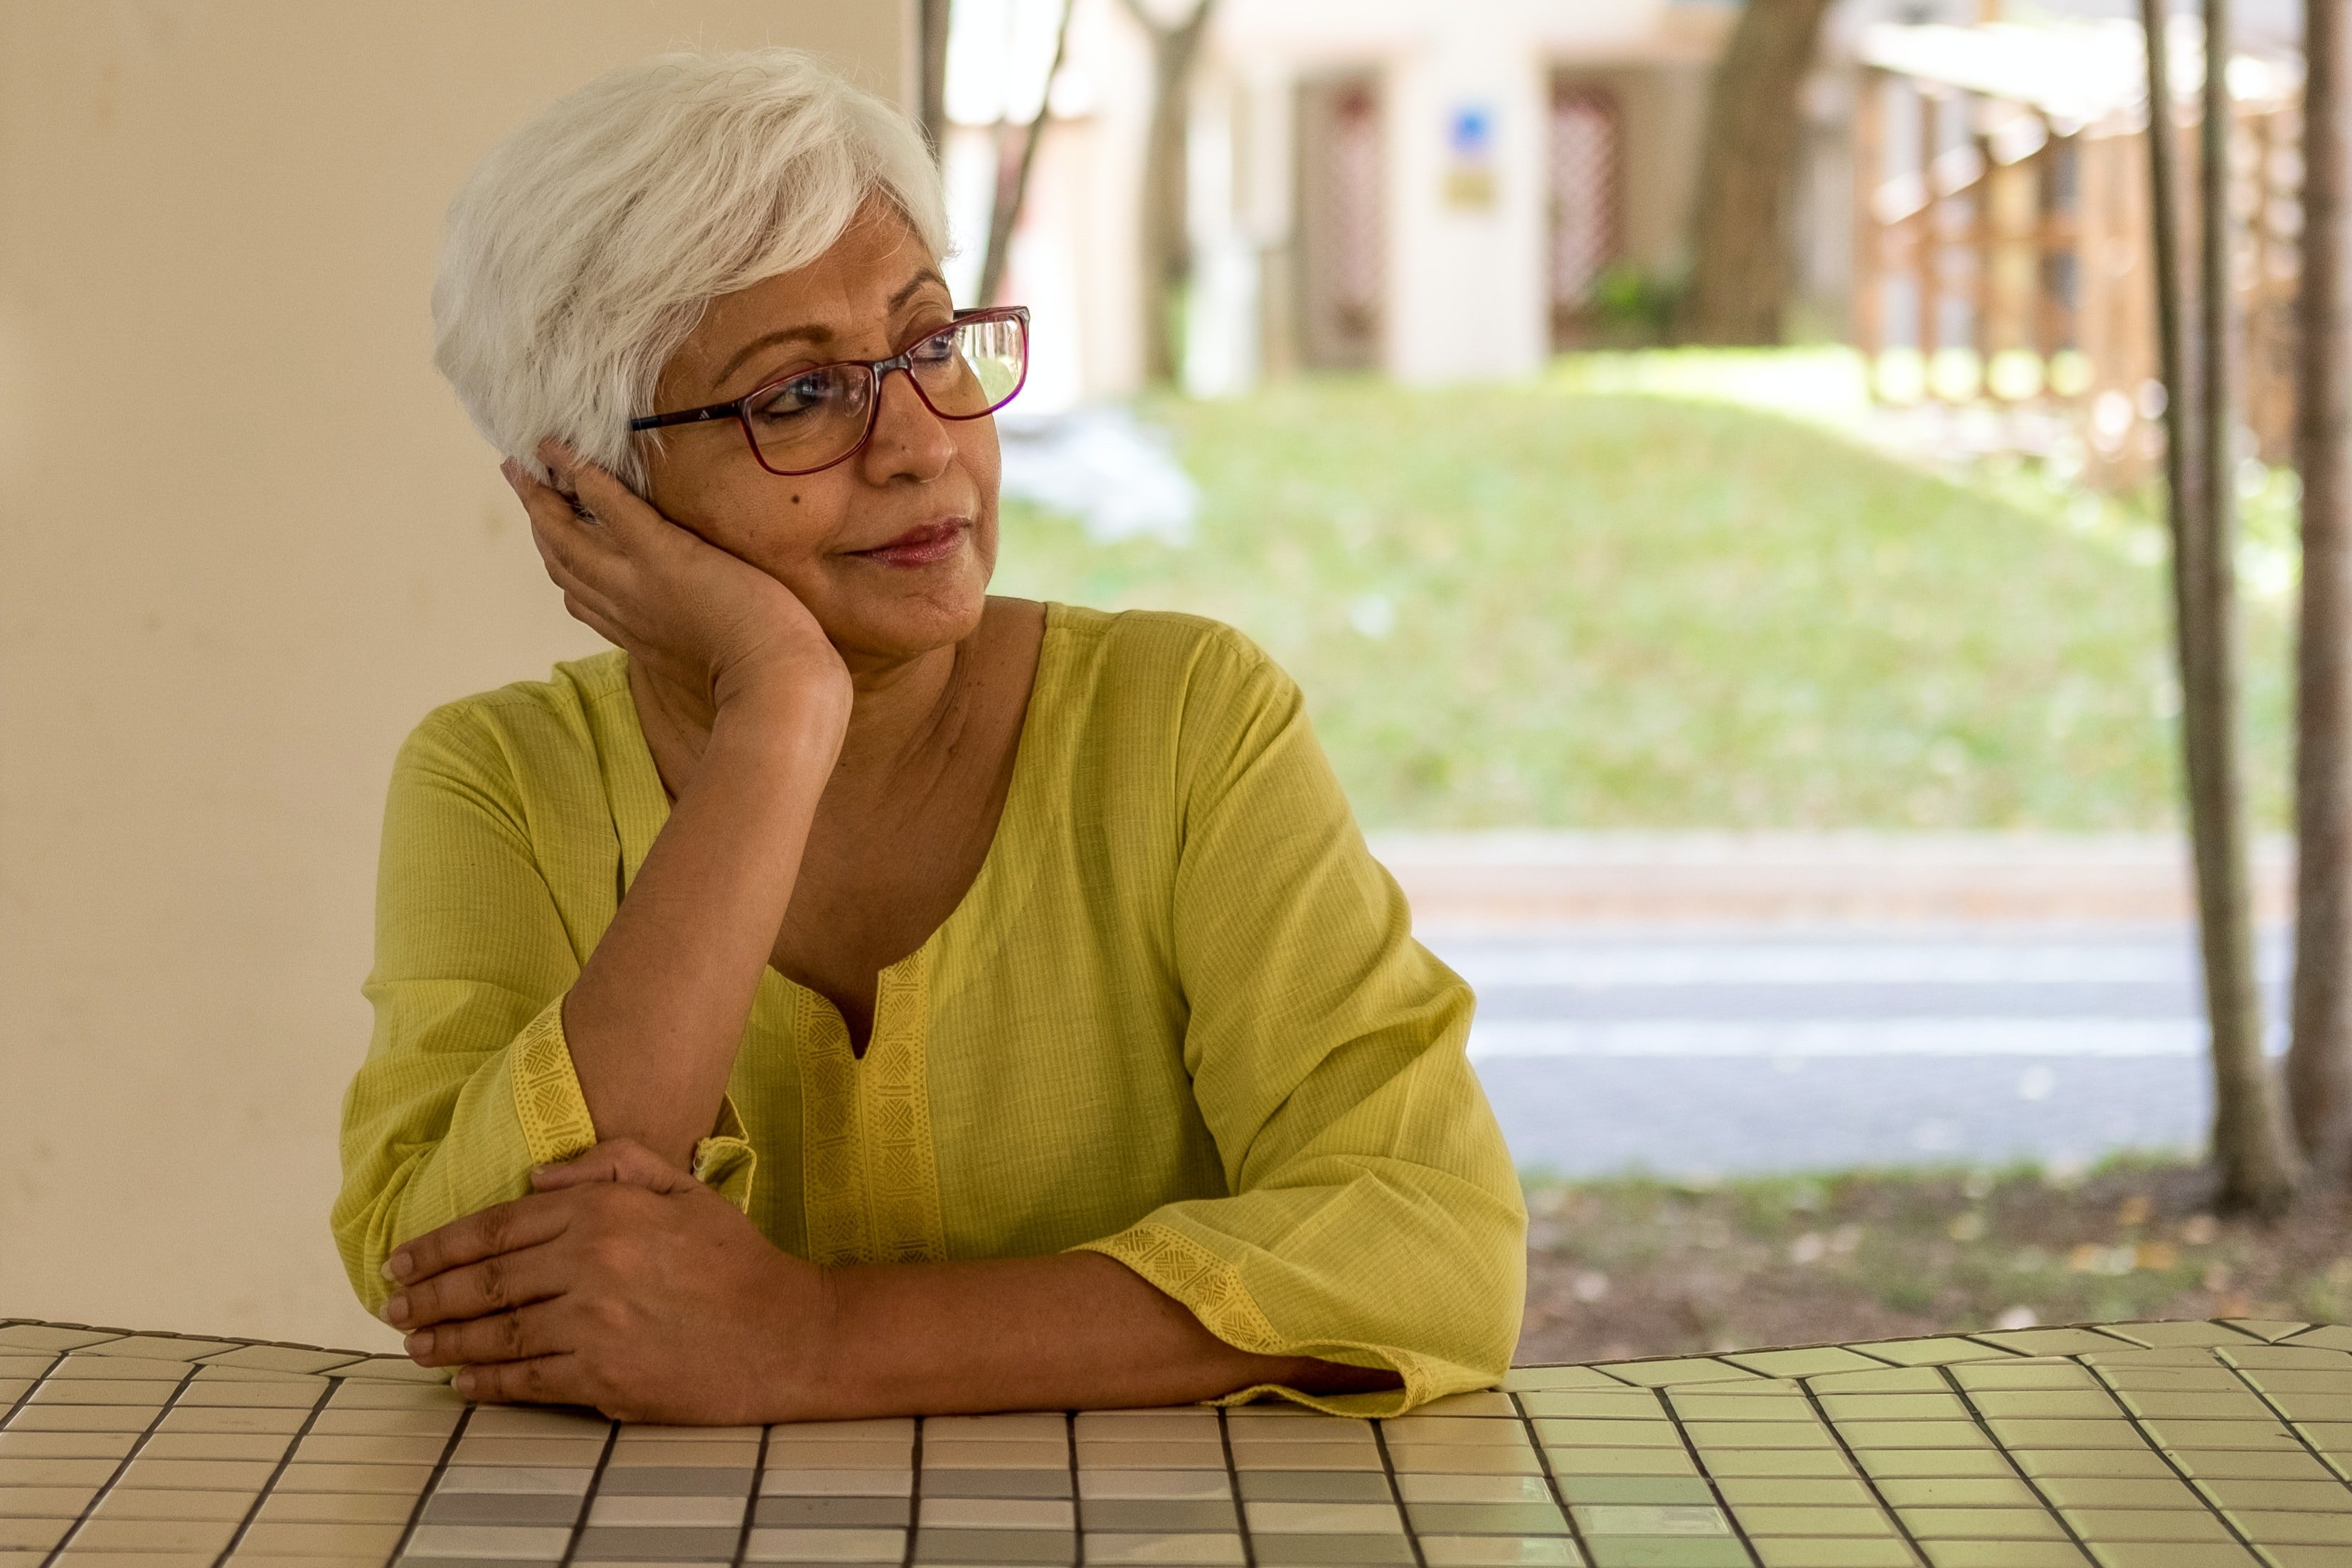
(808, 421)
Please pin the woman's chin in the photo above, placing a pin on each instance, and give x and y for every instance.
(921, 617)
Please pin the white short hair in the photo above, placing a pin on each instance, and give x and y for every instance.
(581, 253)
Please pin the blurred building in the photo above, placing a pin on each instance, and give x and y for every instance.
(1438, 189)
(1457, 189)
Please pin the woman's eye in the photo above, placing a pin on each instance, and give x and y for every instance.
(936, 350)
(795, 397)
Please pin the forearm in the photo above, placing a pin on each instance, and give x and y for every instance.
(654, 1018)
(1074, 1330)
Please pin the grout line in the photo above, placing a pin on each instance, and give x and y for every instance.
(253, 1511)
(107, 1488)
(914, 1495)
(1233, 1481)
(2284, 1420)
(1396, 1496)
(56, 1361)
(751, 1502)
(432, 1482)
(1862, 1471)
(1552, 1479)
(2169, 1463)
(1959, 1391)
(2252, 1338)
(588, 1499)
(1078, 1518)
(1714, 1489)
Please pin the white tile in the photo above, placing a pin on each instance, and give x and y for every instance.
(1421, 1487)
(857, 1455)
(827, 1546)
(1497, 1552)
(565, 1482)
(612, 1509)
(1213, 1484)
(1208, 1549)
(836, 1484)
(1324, 1518)
(1453, 1429)
(533, 1542)
(1485, 1402)
(995, 1429)
(880, 1430)
(997, 1513)
(1137, 1425)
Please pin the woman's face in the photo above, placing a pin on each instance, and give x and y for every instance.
(890, 550)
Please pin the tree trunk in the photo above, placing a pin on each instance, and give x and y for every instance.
(2251, 1153)
(1739, 241)
(1166, 243)
(1013, 173)
(931, 21)
(2319, 1062)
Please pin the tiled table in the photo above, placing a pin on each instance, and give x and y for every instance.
(2129, 1444)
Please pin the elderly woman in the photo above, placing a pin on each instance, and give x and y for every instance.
(858, 995)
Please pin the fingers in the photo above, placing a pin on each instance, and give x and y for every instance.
(475, 1290)
(503, 1227)
(586, 603)
(611, 503)
(620, 1160)
(598, 492)
(540, 1380)
(518, 1336)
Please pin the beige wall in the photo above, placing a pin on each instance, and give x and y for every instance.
(246, 539)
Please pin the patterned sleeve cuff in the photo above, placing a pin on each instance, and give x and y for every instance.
(556, 1125)
(1214, 1290)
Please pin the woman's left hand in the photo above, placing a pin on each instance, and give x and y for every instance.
(623, 1283)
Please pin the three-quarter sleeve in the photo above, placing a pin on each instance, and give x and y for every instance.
(1374, 1218)
(469, 1082)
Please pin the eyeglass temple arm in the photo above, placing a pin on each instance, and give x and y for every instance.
(683, 416)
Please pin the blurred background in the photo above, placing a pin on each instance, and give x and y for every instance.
(1739, 619)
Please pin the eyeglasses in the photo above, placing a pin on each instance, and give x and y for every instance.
(815, 418)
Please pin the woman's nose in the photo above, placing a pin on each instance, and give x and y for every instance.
(909, 438)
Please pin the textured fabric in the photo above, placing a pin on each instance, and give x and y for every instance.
(1178, 1018)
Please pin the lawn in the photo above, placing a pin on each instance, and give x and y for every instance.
(1640, 1267)
(1544, 606)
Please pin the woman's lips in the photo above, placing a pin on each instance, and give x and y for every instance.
(918, 546)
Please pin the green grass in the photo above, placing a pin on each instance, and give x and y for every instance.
(1547, 606)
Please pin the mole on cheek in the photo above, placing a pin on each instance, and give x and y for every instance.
(796, 500)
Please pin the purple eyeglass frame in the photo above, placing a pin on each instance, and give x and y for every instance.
(740, 409)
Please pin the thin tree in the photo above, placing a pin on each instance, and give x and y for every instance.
(1748, 164)
(2319, 1060)
(1013, 172)
(1166, 251)
(933, 20)
(2254, 1164)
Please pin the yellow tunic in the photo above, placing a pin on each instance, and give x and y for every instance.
(1178, 1018)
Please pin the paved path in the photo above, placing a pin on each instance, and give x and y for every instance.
(1715, 1005)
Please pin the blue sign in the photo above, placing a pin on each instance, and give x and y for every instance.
(1470, 135)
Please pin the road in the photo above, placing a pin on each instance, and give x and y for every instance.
(1736, 1051)
(1711, 1007)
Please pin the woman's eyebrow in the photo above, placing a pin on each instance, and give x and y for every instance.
(767, 339)
(914, 285)
(815, 334)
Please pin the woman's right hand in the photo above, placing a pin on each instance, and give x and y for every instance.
(708, 627)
